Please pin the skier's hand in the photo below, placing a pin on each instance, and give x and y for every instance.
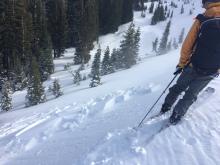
(179, 70)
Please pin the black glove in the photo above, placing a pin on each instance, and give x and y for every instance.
(179, 69)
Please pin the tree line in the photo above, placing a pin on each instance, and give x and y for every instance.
(122, 58)
(37, 31)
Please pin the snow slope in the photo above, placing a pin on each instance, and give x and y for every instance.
(93, 126)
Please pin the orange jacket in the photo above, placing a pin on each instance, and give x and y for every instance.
(212, 10)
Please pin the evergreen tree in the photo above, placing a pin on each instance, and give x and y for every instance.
(151, 9)
(27, 41)
(86, 29)
(41, 43)
(163, 43)
(82, 67)
(34, 29)
(173, 5)
(182, 10)
(105, 67)
(116, 60)
(162, 13)
(181, 37)
(111, 65)
(6, 99)
(159, 15)
(21, 81)
(137, 42)
(77, 77)
(2, 78)
(127, 47)
(110, 15)
(127, 11)
(95, 72)
(71, 23)
(114, 13)
(137, 5)
(143, 9)
(13, 43)
(35, 92)
(45, 49)
(9, 39)
(155, 17)
(56, 89)
(166, 8)
(57, 25)
(155, 44)
(46, 59)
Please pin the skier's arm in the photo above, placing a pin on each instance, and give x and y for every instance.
(187, 47)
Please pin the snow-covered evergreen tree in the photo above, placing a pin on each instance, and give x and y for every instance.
(35, 92)
(56, 89)
(46, 58)
(67, 66)
(77, 77)
(151, 9)
(6, 98)
(95, 72)
(173, 4)
(166, 8)
(115, 60)
(21, 81)
(159, 15)
(137, 43)
(127, 47)
(82, 66)
(105, 67)
(155, 45)
(163, 43)
(182, 10)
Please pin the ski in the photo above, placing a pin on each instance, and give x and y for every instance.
(166, 125)
(204, 95)
(155, 116)
(149, 120)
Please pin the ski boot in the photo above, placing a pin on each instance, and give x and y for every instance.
(175, 118)
(165, 108)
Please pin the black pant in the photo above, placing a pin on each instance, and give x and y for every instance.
(191, 83)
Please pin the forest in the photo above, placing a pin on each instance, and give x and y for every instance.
(34, 32)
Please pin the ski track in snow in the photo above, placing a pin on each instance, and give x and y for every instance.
(194, 144)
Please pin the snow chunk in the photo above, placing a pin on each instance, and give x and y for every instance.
(109, 105)
(31, 144)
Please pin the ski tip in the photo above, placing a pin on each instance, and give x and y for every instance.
(135, 128)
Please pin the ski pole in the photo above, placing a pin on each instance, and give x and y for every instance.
(157, 101)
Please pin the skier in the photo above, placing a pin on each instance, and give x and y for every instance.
(199, 62)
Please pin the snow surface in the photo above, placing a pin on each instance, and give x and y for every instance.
(93, 126)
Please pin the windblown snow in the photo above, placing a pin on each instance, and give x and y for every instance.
(94, 126)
